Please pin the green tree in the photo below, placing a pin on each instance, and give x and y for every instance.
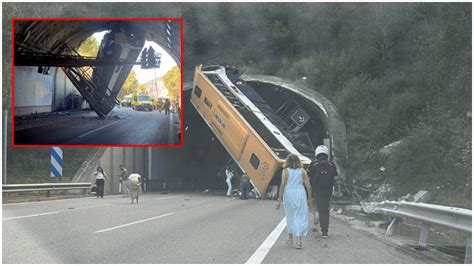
(89, 47)
(130, 85)
(172, 81)
(141, 88)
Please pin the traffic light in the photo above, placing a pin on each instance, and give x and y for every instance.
(143, 61)
(150, 59)
(157, 61)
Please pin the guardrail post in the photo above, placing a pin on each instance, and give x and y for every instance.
(164, 184)
(468, 254)
(425, 231)
(180, 183)
(393, 226)
(47, 193)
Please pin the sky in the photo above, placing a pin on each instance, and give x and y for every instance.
(145, 75)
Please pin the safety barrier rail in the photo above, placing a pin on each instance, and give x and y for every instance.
(427, 214)
(48, 187)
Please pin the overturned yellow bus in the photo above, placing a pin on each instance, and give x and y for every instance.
(243, 123)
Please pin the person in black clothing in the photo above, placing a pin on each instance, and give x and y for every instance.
(166, 106)
(245, 187)
(322, 173)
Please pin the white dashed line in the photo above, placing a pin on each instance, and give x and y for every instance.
(169, 197)
(28, 216)
(92, 131)
(265, 247)
(141, 221)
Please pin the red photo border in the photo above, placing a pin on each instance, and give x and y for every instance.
(180, 145)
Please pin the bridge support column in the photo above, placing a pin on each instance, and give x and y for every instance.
(425, 231)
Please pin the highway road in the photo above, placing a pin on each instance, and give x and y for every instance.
(122, 126)
(177, 228)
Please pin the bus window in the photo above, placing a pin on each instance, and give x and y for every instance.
(197, 91)
(207, 102)
(254, 161)
(144, 98)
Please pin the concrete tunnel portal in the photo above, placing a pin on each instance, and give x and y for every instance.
(48, 36)
(203, 156)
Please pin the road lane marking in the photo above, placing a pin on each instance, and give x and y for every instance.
(169, 197)
(171, 130)
(90, 132)
(230, 199)
(88, 207)
(42, 201)
(132, 223)
(28, 216)
(265, 247)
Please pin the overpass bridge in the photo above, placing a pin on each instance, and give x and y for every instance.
(42, 46)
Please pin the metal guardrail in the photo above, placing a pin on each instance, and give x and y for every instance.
(427, 214)
(45, 187)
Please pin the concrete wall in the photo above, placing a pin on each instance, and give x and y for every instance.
(33, 91)
(41, 93)
(134, 159)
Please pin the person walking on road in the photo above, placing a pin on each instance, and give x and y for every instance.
(229, 175)
(134, 186)
(124, 181)
(322, 173)
(166, 106)
(100, 177)
(292, 192)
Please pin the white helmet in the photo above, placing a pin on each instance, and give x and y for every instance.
(321, 149)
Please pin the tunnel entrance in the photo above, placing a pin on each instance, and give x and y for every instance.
(203, 155)
(46, 43)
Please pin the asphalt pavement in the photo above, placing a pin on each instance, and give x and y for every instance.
(122, 126)
(177, 228)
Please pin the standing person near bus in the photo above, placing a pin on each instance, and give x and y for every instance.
(322, 172)
(229, 175)
(292, 192)
(245, 187)
(124, 181)
(100, 177)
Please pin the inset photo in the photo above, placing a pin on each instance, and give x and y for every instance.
(83, 82)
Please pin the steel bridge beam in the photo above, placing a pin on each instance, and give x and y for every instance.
(25, 58)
